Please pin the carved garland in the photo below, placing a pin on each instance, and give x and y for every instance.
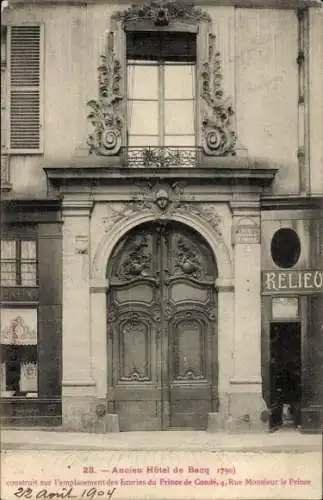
(202, 210)
(219, 137)
(161, 13)
(106, 114)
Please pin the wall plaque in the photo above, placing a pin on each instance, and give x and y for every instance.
(299, 282)
(246, 233)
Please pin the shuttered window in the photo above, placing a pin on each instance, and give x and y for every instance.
(25, 84)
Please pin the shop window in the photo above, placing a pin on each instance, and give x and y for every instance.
(161, 87)
(18, 263)
(285, 248)
(19, 365)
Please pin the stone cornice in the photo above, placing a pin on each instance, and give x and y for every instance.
(259, 4)
(223, 172)
(245, 208)
(291, 202)
(77, 207)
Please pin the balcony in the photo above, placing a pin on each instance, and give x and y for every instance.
(169, 163)
(161, 156)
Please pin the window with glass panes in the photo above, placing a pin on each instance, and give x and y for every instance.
(161, 86)
(19, 353)
(18, 262)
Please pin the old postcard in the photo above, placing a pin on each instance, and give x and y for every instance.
(161, 249)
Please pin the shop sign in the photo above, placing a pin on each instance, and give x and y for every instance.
(308, 281)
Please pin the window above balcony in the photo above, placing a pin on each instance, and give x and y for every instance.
(161, 89)
(160, 97)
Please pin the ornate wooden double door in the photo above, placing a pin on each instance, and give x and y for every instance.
(162, 317)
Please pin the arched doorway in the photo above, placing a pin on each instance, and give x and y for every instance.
(162, 328)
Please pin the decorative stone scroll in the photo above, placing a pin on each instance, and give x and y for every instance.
(219, 137)
(161, 13)
(106, 113)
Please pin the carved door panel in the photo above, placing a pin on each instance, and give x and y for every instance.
(190, 328)
(161, 329)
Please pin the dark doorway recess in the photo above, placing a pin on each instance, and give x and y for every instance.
(285, 373)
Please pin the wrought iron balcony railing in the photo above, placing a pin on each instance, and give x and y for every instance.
(162, 156)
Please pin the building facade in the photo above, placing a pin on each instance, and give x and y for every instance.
(162, 215)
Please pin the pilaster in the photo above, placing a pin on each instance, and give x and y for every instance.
(245, 400)
(225, 290)
(99, 338)
(78, 385)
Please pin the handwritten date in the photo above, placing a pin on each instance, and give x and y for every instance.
(64, 493)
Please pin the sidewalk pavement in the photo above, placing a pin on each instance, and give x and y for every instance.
(186, 441)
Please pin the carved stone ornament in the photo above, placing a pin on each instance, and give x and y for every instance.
(100, 410)
(137, 260)
(162, 199)
(188, 260)
(106, 113)
(219, 137)
(149, 198)
(204, 211)
(162, 13)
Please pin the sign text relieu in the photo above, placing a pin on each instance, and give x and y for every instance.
(308, 281)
